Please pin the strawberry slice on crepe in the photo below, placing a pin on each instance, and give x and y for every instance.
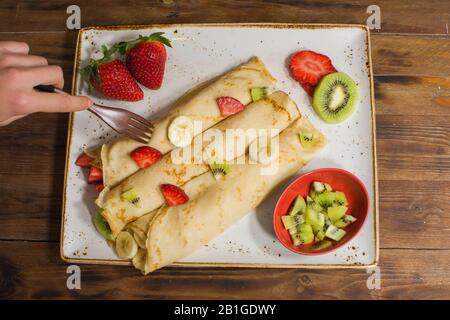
(145, 156)
(173, 195)
(229, 106)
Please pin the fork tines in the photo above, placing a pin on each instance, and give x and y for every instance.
(139, 129)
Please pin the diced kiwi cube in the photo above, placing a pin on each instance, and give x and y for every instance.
(258, 93)
(321, 245)
(299, 206)
(336, 213)
(335, 233)
(131, 196)
(306, 140)
(314, 218)
(341, 223)
(291, 221)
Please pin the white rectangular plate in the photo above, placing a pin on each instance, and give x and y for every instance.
(199, 53)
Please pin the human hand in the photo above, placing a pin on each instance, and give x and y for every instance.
(19, 73)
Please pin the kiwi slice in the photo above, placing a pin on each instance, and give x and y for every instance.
(299, 206)
(102, 226)
(306, 140)
(219, 169)
(131, 196)
(335, 97)
(258, 93)
(340, 198)
(335, 213)
(320, 235)
(334, 233)
(304, 236)
(291, 221)
(315, 219)
(324, 244)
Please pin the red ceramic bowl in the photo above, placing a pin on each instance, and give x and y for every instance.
(339, 180)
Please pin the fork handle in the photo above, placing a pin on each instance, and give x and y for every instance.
(48, 88)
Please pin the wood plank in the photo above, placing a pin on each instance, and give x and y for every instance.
(412, 95)
(396, 15)
(413, 147)
(25, 268)
(410, 55)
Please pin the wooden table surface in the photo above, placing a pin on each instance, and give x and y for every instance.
(411, 59)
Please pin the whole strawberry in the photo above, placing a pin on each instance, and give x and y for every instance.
(110, 77)
(146, 58)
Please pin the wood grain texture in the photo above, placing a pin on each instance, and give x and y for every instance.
(25, 268)
(397, 16)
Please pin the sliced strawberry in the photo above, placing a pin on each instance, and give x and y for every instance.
(173, 195)
(308, 88)
(229, 106)
(84, 160)
(309, 67)
(95, 175)
(145, 156)
(99, 186)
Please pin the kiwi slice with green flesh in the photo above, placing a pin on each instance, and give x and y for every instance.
(314, 218)
(325, 199)
(291, 221)
(299, 206)
(328, 199)
(334, 233)
(335, 213)
(219, 169)
(341, 223)
(320, 235)
(258, 93)
(344, 221)
(304, 236)
(102, 226)
(315, 206)
(335, 97)
(321, 245)
(340, 198)
(306, 140)
(131, 196)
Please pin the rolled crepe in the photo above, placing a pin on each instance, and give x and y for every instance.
(276, 111)
(175, 232)
(200, 104)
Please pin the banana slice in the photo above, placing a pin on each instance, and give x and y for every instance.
(181, 131)
(126, 246)
(139, 259)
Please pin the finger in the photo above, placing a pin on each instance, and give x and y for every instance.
(55, 102)
(14, 46)
(32, 76)
(21, 60)
(8, 121)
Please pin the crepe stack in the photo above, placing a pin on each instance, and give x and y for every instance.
(172, 233)
(166, 234)
(276, 111)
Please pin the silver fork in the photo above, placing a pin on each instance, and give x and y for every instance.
(121, 120)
